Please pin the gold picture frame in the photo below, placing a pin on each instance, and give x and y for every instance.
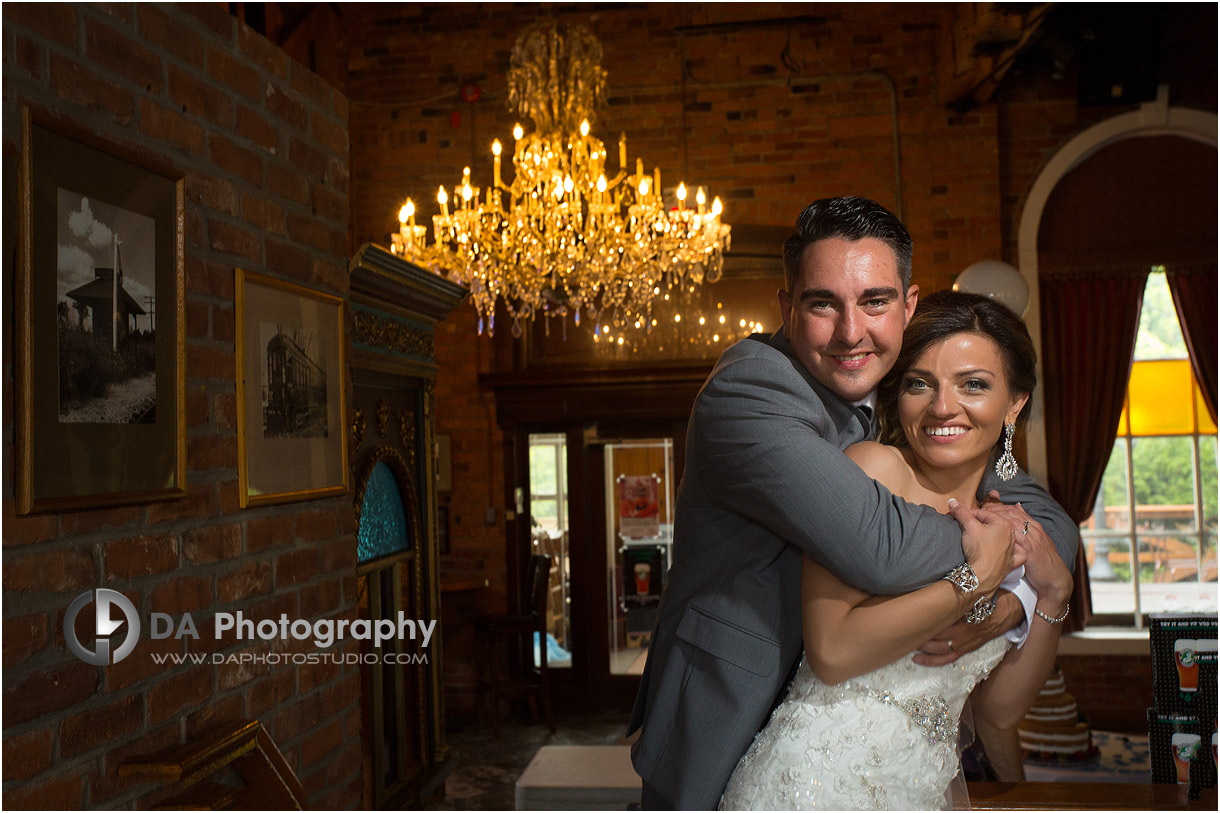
(101, 416)
(291, 391)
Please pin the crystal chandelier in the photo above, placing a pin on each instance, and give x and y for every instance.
(680, 328)
(561, 237)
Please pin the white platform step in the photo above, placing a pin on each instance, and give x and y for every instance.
(579, 777)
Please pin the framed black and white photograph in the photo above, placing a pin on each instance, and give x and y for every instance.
(100, 376)
(290, 391)
(105, 311)
(294, 385)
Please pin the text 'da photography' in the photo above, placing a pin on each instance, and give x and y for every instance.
(102, 627)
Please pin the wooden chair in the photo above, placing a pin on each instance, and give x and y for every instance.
(517, 633)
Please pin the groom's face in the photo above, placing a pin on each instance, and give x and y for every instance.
(845, 315)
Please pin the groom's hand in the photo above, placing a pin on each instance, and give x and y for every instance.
(958, 639)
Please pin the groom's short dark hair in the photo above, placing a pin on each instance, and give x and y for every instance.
(851, 218)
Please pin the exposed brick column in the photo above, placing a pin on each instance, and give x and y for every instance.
(263, 145)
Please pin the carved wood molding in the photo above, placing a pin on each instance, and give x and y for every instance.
(377, 331)
(378, 276)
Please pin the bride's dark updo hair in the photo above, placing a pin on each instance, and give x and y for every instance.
(947, 313)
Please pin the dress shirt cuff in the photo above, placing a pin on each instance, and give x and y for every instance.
(1016, 584)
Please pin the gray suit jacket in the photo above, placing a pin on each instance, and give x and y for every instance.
(766, 483)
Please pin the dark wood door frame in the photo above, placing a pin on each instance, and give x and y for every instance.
(591, 408)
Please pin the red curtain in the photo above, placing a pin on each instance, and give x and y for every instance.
(1194, 297)
(1089, 321)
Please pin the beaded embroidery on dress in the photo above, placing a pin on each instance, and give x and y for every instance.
(885, 740)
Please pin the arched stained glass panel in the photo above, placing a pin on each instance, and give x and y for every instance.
(383, 520)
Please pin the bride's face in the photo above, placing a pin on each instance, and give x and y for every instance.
(954, 401)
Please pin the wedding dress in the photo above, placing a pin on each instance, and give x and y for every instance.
(885, 740)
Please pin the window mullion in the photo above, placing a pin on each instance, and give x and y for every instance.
(561, 496)
(1198, 474)
(1135, 547)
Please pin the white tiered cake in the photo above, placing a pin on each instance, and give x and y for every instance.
(1052, 730)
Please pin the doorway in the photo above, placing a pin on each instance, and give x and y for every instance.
(639, 503)
(601, 504)
(567, 440)
(549, 522)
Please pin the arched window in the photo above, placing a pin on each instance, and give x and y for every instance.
(1155, 514)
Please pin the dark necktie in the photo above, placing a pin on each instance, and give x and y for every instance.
(867, 412)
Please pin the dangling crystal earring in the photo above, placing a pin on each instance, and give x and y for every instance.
(1006, 466)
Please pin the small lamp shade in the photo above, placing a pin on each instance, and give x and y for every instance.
(997, 280)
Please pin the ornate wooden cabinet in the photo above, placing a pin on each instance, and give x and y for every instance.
(393, 309)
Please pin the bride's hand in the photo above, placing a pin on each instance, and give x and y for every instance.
(987, 541)
(1044, 568)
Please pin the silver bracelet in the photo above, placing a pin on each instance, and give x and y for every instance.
(982, 609)
(1067, 606)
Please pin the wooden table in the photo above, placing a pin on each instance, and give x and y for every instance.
(1084, 796)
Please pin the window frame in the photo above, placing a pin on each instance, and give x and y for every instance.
(558, 444)
(1138, 618)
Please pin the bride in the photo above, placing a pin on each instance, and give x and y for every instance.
(862, 726)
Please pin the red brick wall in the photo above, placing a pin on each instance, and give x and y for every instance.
(466, 413)
(264, 147)
(1113, 692)
(1039, 114)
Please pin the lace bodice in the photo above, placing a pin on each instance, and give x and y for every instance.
(884, 740)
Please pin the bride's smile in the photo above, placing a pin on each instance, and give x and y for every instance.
(954, 401)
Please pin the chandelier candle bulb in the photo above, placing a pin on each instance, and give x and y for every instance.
(495, 151)
(443, 200)
(622, 152)
(681, 196)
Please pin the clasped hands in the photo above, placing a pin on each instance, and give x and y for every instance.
(997, 538)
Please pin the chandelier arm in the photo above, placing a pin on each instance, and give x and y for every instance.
(616, 180)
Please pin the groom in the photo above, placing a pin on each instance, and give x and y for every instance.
(766, 483)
